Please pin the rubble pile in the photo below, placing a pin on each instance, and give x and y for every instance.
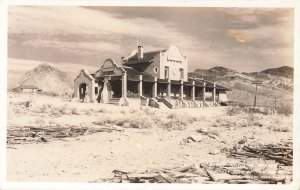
(28, 134)
(238, 173)
(282, 154)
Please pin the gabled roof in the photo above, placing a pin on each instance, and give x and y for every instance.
(86, 73)
(133, 72)
(24, 86)
(147, 58)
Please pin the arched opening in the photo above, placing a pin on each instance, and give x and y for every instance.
(82, 90)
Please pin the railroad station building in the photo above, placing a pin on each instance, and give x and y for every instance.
(157, 78)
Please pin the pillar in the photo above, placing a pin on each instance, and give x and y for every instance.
(105, 92)
(169, 89)
(154, 88)
(193, 91)
(124, 85)
(181, 90)
(214, 93)
(204, 90)
(140, 86)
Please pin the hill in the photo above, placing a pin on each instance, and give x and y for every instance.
(277, 83)
(47, 78)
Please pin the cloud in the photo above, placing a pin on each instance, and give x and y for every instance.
(230, 37)
(239, 36)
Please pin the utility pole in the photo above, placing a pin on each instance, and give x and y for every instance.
(257, 82)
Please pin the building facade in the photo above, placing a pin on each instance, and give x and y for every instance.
(157, 78)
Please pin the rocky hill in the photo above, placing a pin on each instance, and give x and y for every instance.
(48, 79)
(277, 83)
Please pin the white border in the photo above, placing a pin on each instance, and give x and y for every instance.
(158, 3)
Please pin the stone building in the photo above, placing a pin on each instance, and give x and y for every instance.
(157, 78)
(28, 88)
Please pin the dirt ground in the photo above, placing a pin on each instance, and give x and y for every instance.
(150, 145)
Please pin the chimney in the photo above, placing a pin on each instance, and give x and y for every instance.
(140, 52)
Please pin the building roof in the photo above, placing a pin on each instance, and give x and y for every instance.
(133, 72)
(147, 58)
(24, 86)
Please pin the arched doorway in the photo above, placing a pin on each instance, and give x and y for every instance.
(82, 90)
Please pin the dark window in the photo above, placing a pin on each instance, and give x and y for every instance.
(96, 90)
(181, 73)
(166, 72)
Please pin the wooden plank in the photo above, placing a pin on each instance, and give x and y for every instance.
(141, 176)
(167, 178)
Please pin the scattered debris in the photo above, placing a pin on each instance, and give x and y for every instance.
(237, 173)
(203, 130)
(195, 138)
(18, 135)
(281, 154)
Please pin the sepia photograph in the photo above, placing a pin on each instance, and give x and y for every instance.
(142, 94)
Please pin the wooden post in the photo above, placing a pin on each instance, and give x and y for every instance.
(193, 91)
(203, 91)
(154, 88)
(214, 93)
(140, 87)
(181, 90)
(124, 85)
(169, 89)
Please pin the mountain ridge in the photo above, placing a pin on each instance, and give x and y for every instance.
(47, 78)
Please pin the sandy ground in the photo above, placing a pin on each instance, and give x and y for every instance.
(93, 157)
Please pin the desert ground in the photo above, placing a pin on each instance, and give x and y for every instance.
(131, 139)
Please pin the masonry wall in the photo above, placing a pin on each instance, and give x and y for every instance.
(83, 78)
(175, 61)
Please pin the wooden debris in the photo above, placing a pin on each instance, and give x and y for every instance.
(281, 154)
(30, 134)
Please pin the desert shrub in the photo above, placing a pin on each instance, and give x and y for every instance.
(89, 111)
(181, 119)
(75, 111)
(53, 94)
(173, 125)
(234, 110)
(101, 110)
(63, 109)
(214, 132)
(45, 108)
(279, 124)
(40, 122)
(134, 121)
(281, 128)
(149, 111)
(228, 121)
(27, 103)
(18, 110)
(141, 121)
(242, 123)
(285, 109)
(55, 112)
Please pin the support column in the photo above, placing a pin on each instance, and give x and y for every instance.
(181, 90)
(154, 88)
(214, 93)
(203, 91)
(193, 91)
(169, 89)
(124, 85)
(140, 86)
(105, 93)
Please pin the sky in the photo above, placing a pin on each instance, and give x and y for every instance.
(244, 39)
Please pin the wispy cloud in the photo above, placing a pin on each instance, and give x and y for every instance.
(230, 37)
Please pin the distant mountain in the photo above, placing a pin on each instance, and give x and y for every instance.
(284, 71)
(48, 79)
(276, 83)
(213, 74)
